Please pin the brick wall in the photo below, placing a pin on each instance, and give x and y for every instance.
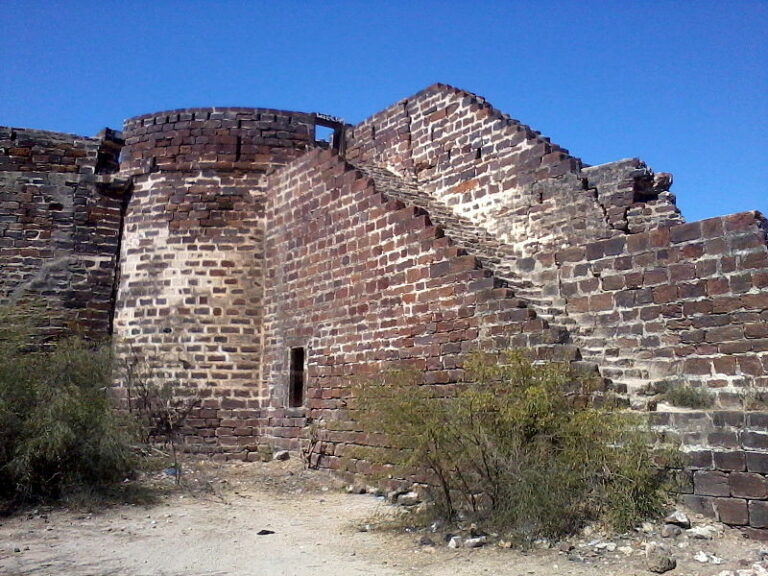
(364, 283)
(60, 218)
(686, 303)
(726, 453)
(190, 301)
(504, 176)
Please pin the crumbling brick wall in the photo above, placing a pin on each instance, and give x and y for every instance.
(436, 227)
(60, 219)
(504, 176)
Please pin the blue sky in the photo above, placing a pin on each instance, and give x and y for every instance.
(682, 85)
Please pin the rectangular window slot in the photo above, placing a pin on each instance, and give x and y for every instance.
(238, 148)
(296, 383)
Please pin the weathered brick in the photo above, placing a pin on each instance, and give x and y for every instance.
(710, 483)
(758, 514)
(748, 485)
(731, 511)
(730, 461)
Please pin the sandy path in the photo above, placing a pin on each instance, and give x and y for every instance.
(199, 533)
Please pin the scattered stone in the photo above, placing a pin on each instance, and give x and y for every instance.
(658, 558)
(357, 489)
(671, 531)
(408, 499)
(565, 547)
(454, 542)
(426, 541)
(678, 518)
(646, 528)
(707, 558)
(702, 532)
(477, 542)
(281, 455)
(507, 544)
(608, 546)
(264, 532)
(626, 550)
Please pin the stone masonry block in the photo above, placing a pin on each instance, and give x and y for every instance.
(730, 461)
(748, 485)
(711, 483)
(757, 462)
(758, 514)
(754, 440)
(703, 505)
(733, 511)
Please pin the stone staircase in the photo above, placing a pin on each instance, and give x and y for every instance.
(582, 344)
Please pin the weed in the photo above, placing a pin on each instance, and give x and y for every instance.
(687, 396)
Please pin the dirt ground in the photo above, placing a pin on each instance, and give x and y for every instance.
(211, 528)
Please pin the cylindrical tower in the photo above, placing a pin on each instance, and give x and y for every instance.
(189, 303)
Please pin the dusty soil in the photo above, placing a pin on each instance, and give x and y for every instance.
(210, 527)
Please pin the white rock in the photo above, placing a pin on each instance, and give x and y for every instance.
(702, 532)
(678, 519)
(454, 542)
(408, 499)
(474, 542)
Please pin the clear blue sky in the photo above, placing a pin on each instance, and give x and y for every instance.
(682, 85)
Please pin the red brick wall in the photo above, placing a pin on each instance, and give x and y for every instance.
(190, 301)
(365, 284)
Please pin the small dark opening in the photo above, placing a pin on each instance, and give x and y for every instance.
(329, 132)
(296, 385)
(238, 148)
(478, 154)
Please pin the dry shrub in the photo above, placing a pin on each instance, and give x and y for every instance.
(519, 447)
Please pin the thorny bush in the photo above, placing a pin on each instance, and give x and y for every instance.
(58, 433)
(520, 447)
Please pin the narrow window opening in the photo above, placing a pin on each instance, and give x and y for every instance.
(478, 153)
(323, 134)
(296, 384)
(238, 148)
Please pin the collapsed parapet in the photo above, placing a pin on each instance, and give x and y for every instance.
(60, 225)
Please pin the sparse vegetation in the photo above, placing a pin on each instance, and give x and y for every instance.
(58, 434)
(157, 412)
(687, 396)
(519, 448)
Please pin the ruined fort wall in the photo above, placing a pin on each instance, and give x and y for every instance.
(60, 219)
(682, 304)
(189, 307)
(502, 175)
(364, 284)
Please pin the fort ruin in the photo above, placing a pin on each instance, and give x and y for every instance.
(261, 268)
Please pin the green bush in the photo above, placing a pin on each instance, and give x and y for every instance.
(58, 433)
(686, 396)
(519, 448)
